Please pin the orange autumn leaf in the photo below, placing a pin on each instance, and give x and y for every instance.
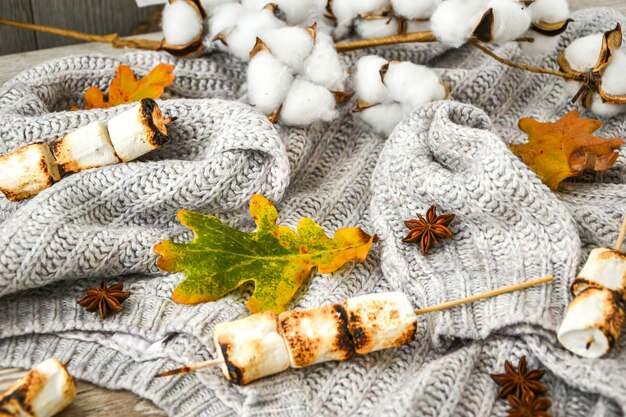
(125, 88)
(565, 148)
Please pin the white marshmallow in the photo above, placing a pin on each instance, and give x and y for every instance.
(454, 21)
(27, 171)
(250, 348)
(291, 45)
(413, 84)
(604, 266)
(44, 391)
(324, 66)
(549, 11)
(593, 323)
(306, 103)
(368, 83)
(316, 335)
(137, 130)
(182, 23)
(269, 81)
(86, 147)
(415, 9)
(384, 117)
(380, 321)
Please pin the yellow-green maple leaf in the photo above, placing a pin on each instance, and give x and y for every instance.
(275, 258)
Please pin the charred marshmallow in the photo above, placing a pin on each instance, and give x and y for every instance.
(27, 171)
(316, 335)
(138, 130)
(593, 322)
(380, 321)
(44, 391)
(251, 348)
(84, 148)
(606, 268)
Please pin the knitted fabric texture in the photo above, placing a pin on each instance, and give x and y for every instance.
(509, 228)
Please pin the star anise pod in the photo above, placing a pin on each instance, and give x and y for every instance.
(105, 299)
(428, 230)
(529, 406)
(519, 382)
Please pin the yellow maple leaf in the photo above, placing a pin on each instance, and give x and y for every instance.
(565, 148)
(125, 88)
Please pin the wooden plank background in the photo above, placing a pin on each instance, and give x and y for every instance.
(93, 401)
(93, 16)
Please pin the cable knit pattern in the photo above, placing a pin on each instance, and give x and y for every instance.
(509, 228)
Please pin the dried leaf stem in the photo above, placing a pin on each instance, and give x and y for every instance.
(112, 39)
(524, 67)
(488, 294)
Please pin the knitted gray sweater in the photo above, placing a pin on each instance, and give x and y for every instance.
(103, 223)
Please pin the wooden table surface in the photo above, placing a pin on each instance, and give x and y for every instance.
(91, 400)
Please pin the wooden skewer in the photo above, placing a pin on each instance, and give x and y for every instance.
(620, 237)
(444, 306)
(488, 294)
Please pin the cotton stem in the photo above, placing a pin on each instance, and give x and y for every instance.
(413, 37)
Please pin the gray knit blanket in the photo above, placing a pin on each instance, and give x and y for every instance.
(103, 223)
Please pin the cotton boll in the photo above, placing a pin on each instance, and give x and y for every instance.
(306, 103)
(369, 6)
(613, 79)
(383, 117)
(417, 26)
(291, 45)
(255, 5)
(323, 66)
(182, 23)
(301, 12)
(211, 4)
(224, 18)
(344, 13)
(549, 11)
(541, 44)
(605, 109)
(242, 38)
(583, 53)
(415, 9)
(373, 28)
(268, 82)
(511, 19)
(413, 84)
(368, 84)
(454, 21)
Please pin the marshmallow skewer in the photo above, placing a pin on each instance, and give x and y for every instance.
(595, 317)
(264, 344)
(31, 169)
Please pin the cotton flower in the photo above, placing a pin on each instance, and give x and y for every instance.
(389, 90)
(295, 76)
(549, 19)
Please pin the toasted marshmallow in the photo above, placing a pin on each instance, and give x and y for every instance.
(44, 391)
(138, 130)
(27, 171)
(86, 147)
(593, 322)
(606, 268)
(380, 321)
(251, 348)
(316, 335)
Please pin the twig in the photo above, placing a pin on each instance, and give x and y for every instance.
(426, 36)
(524, 67)
(620, 237)
(488, 294)
(192, 367)
(111, 38)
